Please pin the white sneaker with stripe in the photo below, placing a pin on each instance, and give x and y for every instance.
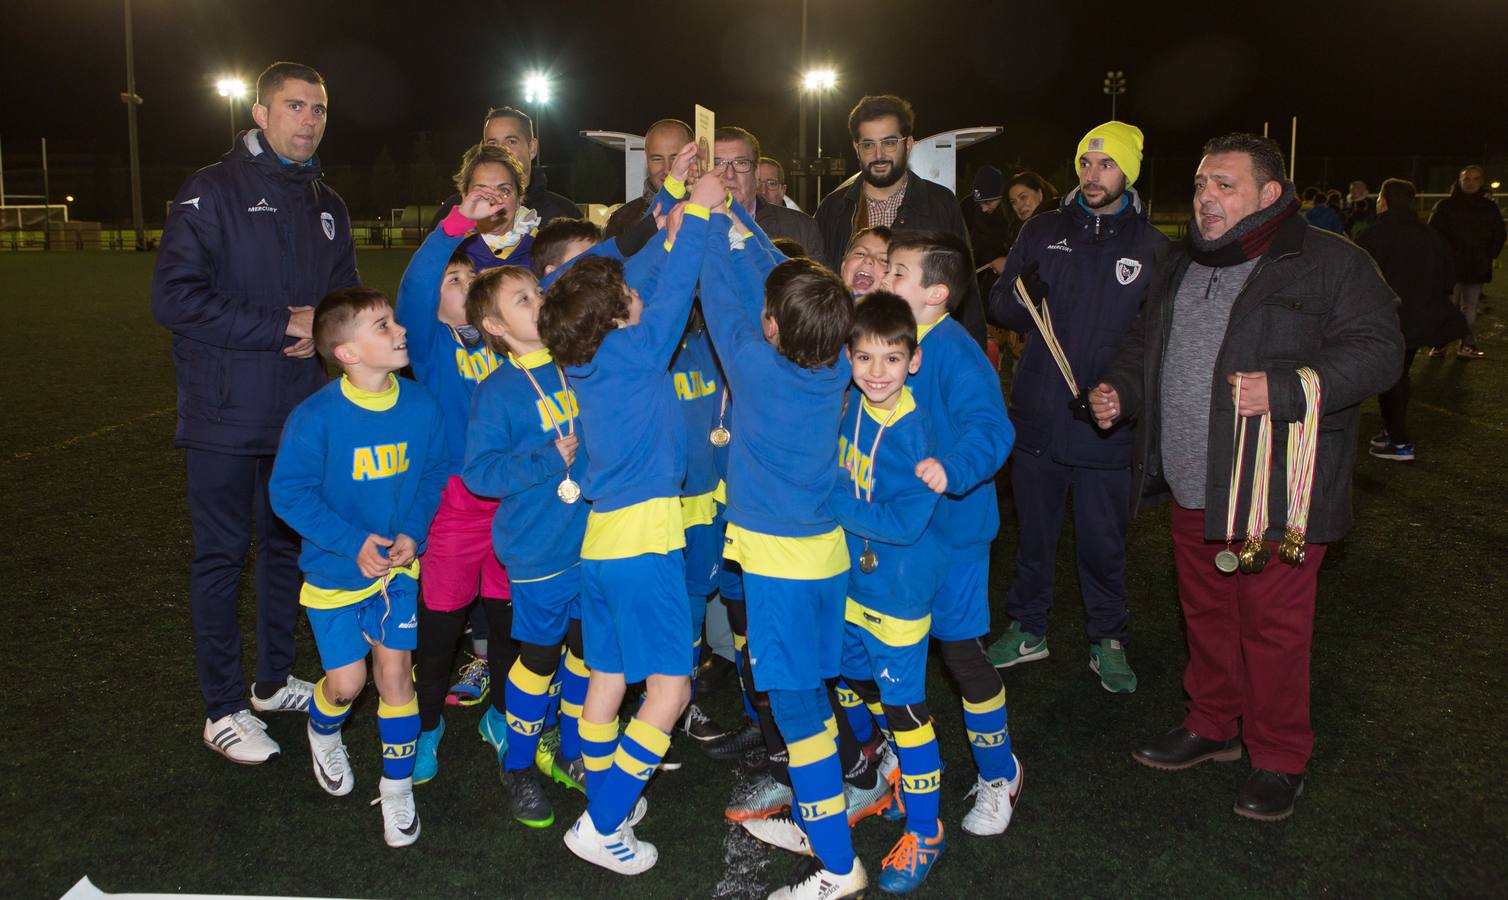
(240, 737)
(619, 852)
(400, 820)
(295, 696)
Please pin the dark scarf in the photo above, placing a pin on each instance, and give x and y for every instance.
(1250, 237)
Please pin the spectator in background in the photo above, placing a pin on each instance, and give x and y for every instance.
(1360, 209)
(735, 154)
(1319, 213)
(1416, 263)
(989, 228)
(1473, 226)
(661, 143)
(1029, 194)
(770, 180)
(513, 130)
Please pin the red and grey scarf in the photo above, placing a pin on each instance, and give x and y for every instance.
(1250, 237)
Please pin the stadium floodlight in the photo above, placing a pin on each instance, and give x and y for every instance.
(537, 88)
(818, 80)
(232, 89)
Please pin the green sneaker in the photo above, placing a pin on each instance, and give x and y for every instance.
(1017, 646)
(1107, 659)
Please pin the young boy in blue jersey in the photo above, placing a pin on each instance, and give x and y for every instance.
(886, 511)
(958, 392)
(450, 357)
(359, 474)
(616, 350)
(779, 329)
(523, 446)
(561, 241)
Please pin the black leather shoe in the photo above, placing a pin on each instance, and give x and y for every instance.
(1182, 749)
(1269, 795)
(735, 744)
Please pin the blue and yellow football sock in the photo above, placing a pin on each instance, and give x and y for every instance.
(877, 710)
(745, 677)
(857, 714)
(552, 706)
(398, 726)
(921, 777)
(599, 740)
(325, 716)
(528, 698)
(816, 775)
(573, 682)
(638, 755)
(989, 738)
(696, 661)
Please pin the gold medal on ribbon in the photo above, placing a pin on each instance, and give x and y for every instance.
(720, 435)
(568, 490)
(868, 560)
(1303, 441)
(1226, 561)
(1253, 555)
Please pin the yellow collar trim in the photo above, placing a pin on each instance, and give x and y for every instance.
(531, 360)
(906, 404)
(376, 401)
(921, 330)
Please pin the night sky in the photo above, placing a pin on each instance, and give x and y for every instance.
(1381, 78)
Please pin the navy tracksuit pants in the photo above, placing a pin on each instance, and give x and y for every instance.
(225, 494)
(1101, 514)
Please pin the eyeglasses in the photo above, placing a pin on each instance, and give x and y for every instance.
(867, 148)
(742, 165)
(770, 183)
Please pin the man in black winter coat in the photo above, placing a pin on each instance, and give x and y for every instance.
(886, 192)
(1418, 265)
(251, 245)
(1252, 298)
(1473, 226)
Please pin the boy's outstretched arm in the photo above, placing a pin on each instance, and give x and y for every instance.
(664, 318)
(493, 468)
(900, 520)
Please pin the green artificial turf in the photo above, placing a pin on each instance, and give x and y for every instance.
(106, 776)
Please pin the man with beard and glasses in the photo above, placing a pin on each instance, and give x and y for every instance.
(1248, 300)
(886, 192)
(1094, 257)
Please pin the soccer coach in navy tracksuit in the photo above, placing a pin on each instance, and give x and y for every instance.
(1095, 255)
(251, 245)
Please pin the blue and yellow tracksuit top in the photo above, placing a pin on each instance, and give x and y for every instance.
(354, 463)
(699, 392)
(783, 461)
(897, 517)
(632, 425)
(958, 392)
(511, 455)
(446, 367)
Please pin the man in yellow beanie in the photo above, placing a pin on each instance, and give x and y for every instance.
(1093, 256)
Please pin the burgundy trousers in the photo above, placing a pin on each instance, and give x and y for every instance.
(1249, 638)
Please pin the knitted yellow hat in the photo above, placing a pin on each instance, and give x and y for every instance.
(1117, 140)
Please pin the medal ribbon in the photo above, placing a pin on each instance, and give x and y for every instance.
(874, 448)
(722, 408)
(549, 408)
(1261, 473)
(1303, 441)
(1043, 321)
(1238, 437)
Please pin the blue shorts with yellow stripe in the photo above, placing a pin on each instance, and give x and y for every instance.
(961, 609)
(635, 617)
(544, 607)
(346, 634)
(891, 652)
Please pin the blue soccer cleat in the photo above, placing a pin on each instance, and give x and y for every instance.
(494, 730)
(427, 754)
(472, 686)
(909, 862)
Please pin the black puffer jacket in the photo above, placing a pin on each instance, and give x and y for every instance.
(1473, 226)
(1314, 299)
(1418, 266)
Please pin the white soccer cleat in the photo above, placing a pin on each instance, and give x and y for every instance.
(994, 802)
(332, 766)
(240, 737)
(824, 885)
(888, 764)
(619, 852)
(779, 831)
(400, 821)
(295, 696)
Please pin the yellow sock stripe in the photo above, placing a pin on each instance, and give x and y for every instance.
(989, 705)
(528, 681)
(848, 698)
(916, 737)
(596, 763)
(809, 750)
(328, 707)
(577, 666)
(696, 646)
(598, 732)
(384, 711)
(821, 809)
(570, 709)
(740, 642)
(831, 727)
(647, 736)
(925, 783)
(876, 708)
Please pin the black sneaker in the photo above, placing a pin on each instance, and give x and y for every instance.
(699, 726)
(736, 743)
(1268, 796)
(527, 796)
(713, 673)
(671, 761)
(1182, 749)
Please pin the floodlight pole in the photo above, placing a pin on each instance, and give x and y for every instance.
(806, 178)
(132, 101)
(46, 202)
